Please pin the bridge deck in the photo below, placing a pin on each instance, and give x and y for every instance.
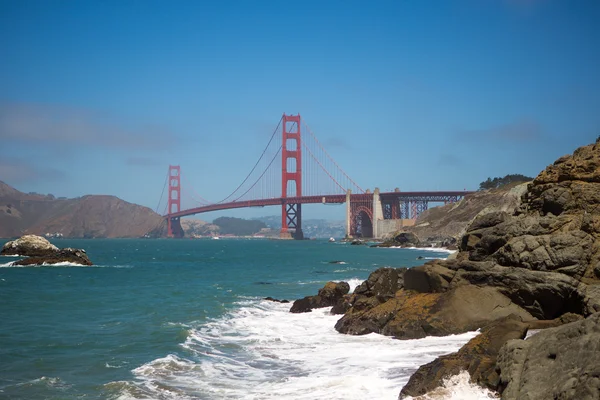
(440, 196)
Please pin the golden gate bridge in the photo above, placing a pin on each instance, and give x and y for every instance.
(295, 169)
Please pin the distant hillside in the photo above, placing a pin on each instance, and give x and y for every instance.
(312, 228)
(84, 217)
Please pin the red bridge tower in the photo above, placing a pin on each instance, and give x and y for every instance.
(174, 224)
(291, 177)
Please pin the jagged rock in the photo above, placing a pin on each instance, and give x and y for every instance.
(556, 363)
(566, 252)
(28, 245)
(328, 296)
(545, 295)
(478, 357)
(69, 255)
(381, 285)
(413, 315)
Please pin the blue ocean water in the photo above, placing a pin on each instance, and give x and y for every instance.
(185, 319)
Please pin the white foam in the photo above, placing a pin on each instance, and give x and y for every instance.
(63, 264)
(261, 351)
(8, 264)
(60, 264)
(458, 387)
(434, 249)
(354, 282)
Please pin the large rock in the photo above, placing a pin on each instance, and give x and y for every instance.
(540, 262)
(328, 296)
(66, 255)
(545, 295)
(28, 245)
(478, 357)
(382, 285)
(413, 315)
(41, 252)
(557, 363)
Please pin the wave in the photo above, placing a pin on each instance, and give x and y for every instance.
(434, 249)
(261, 351)
(354, 282)
(8, 264)
(43, 381)
(458, 387)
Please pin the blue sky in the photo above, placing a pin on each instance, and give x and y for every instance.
(100, 97)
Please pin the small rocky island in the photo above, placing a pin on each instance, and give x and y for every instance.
(534, 269)
(39, 251)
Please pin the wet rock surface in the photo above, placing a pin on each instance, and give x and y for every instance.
(41, 252)
(329, 295)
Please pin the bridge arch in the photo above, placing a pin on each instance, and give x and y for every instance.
(362, 222)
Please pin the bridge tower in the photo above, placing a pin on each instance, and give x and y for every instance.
(291, 177)
(174, 205)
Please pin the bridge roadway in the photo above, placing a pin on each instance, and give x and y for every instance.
(441, 196)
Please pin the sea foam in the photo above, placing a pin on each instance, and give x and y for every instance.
(262, 351)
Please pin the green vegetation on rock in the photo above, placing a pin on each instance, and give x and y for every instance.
(498, 182)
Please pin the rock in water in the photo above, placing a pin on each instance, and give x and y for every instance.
(39, 251)
(329, 295)
(66, 255)
(28, 245)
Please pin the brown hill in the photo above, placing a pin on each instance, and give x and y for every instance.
(84, 217)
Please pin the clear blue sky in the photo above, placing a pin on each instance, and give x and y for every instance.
(100, 97)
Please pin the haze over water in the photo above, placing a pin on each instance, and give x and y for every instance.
(185, 319)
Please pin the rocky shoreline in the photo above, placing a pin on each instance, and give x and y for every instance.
(39, 251)
(535, 268)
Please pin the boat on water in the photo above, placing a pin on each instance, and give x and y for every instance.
(215, 238)
(331, 239)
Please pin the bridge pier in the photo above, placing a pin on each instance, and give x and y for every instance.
(291, 222)
(174, 229)
(348, 214)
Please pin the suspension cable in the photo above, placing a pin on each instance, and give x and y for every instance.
(162, 193)
(255, 165)
(332, 160)
(323, 168)
(264, 172)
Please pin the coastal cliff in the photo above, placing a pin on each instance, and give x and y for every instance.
(93, 216)
(445, 225)
(534, 267)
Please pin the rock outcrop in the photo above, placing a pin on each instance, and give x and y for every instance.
(41, 252)
(533, 267)
(544, 258)
(478, 357)
(445, 225)
(329, 295)
(381, 286)
(556, 363)
(28, 245)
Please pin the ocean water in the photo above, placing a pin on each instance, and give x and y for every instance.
(186, 319)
